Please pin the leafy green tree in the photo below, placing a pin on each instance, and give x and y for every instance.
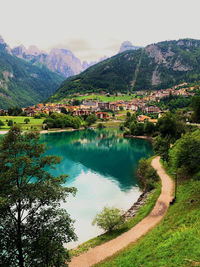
(63, 110)
(128, 114)
(26, 120)
(10, 123)
(109, 219)
(33, 227)
(121, 108)
(185, 154)
(1, 123)
(129, 120)
(76, 102)
(149, 128)
(161, 146)
(91, 119)
(195, 104)
(137, 128)
(171, 126)
(147, 175)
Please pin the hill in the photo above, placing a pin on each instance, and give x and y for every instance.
(174, 242)
(156, 66)
(21, 83)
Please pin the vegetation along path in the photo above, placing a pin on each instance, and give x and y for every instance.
(99, 253)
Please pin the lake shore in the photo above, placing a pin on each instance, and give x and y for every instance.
(49, 131)
(140, 137)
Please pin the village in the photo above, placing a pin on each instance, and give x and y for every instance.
(145, 101)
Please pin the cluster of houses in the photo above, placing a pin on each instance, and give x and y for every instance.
(145, 103)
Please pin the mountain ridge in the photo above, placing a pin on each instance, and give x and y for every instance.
(156, 66)
(21, 83)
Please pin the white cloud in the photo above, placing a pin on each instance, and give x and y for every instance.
(47, 23)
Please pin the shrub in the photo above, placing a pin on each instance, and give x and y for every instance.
(109, 219)
(147, 175)
(10, 123)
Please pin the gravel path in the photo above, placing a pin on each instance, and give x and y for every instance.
(99, 253)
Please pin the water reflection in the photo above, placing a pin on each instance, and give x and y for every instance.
(101, 151)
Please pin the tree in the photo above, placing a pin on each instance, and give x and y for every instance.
(33, 227)
(109, 219)
(26, 120)
(195, 103)
(128, 114)
(91, 119)
(1, 123)
(10, 123)
(185, 154)
(149, 128)
(147, 175)
(161, 146)
(63, 110)
(171, 126)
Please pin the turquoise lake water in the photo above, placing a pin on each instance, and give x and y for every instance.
(101, 165)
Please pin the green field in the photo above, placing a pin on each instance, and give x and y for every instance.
(105, 98)
(174, 242)
(19, 120)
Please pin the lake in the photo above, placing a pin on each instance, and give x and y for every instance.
(101, 164)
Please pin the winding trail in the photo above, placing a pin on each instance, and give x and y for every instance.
(101, 252)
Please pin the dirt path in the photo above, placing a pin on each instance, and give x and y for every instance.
(99, 253)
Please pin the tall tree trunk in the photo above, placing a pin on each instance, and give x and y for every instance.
(19, 236)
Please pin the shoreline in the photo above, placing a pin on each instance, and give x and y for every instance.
(149, 138)
(47, 131)
(132, 211)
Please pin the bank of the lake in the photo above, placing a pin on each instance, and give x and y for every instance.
(102, 165)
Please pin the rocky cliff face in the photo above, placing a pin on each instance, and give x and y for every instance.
(60, 61)
(4, 46)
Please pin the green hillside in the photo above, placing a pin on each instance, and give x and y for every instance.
(157, 66)
(174, 242)
(22, 84)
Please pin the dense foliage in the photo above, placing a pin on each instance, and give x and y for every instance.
(33, 227)
(147, 175)
(185, 155)
(62, 120)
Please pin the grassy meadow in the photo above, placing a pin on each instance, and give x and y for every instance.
(19, 120)
(104, 98)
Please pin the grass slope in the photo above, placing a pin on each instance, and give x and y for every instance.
(174, 242)
(19, 120)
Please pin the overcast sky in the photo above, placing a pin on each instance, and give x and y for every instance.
(94, 28)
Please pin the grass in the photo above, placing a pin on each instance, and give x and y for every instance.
(19, 120)
(105, 98)
(174, 242)
(142, 212)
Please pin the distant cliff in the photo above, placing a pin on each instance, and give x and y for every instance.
(156, 66)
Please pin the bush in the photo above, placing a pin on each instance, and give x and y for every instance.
(10, 123)
(147, 175)
(109, 219)
(1, 123)
(161, 147)
(100, 126)
(185, 154)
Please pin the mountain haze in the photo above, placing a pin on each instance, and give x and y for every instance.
(21, 83)
(156, 66)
